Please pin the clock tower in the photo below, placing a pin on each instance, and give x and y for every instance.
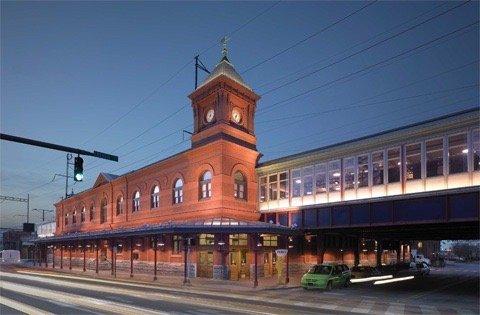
(224, 107)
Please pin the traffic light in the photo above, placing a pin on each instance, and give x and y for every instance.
(78, 169)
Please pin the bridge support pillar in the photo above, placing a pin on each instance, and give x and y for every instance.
(320, 248)
(399, 249)
(356, 253)
(379, 253)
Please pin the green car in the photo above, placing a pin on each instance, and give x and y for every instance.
(326, 276)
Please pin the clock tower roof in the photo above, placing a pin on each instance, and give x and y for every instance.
(226, 68)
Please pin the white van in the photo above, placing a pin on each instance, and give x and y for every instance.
(10, 256)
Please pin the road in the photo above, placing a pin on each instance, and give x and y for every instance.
(453, 290)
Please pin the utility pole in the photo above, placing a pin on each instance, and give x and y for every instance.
(43, 212)
(199, 65)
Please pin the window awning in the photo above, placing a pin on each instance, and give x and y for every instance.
(211, 226)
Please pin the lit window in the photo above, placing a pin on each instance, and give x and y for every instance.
(66, 218)
(92, 212)
(238, 240)
(120, 205)
(270, 240)
(263, 189)
(273, 187)
(284, 187)
(206, 239)
(206, 185)
(334, 176)
(239, 186)
(74, 217)
(457, 153)
(434, 157)
(178, 191)
(414, 161)
(320, 179)
(476, 149)
(296, 183)
(307, 178)
(155, 197)
(393, 174)
(377, 164)
(349, 173)
(136, 201)
(103, 211)
(82, 215)
(362, 162)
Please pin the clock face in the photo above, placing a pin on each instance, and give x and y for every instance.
(209, 116)
(236, 116)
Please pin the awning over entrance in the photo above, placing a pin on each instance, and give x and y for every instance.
(212, 226)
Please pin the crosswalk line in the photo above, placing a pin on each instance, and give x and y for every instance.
(22, 307)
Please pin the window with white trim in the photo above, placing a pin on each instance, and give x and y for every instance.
(377, 168)
(457, 153)
(413, 158)
(296, 183)
(363, 170)
(307, 178)
(206, 185)
(136, 201)
(178, 191)
(334, 176)
(349, 173)
(434, 155)
(320, 179)
(394, 165)
(155, 197)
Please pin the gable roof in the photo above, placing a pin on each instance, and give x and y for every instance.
(104, 178)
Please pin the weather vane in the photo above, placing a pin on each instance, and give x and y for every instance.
(224, 45)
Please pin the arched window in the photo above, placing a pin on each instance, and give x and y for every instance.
(136, 201)
(155, 197)
(239, 186)
(178, 191)
(66, 218)
(103, 211)
(82, 214)
(92, 212)
(74, 217)
(119, 205)
(206, 185)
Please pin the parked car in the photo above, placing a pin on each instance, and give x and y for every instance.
(364, 272)
(326, 276)
(10, 256)
(419, 258)
(420, 269)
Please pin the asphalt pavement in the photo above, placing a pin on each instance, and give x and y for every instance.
(451, 290)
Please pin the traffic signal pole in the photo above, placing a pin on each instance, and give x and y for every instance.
(57, 147)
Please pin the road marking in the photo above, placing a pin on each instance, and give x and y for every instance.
(22, 307)
(364, 307)
(82, 301)
(103, 304)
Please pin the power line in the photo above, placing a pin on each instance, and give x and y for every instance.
(310, 36)
(353, 46)
(365, 68)
(365, 49)
(352, 106)
(365, 119)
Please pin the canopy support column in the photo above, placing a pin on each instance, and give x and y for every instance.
(185, 261)
(131, 257)
(46, 255)
(255, 281)
(287, 272)
(155, 247)
(97, 244)
(84, 247)
(356, 253)
(61, 256)
(320, 248)
(112, 248)
(70, 257)
(379, 253)
(53, 256)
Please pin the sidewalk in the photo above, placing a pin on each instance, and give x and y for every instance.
(204, 284)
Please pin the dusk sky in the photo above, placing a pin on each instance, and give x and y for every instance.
(69, 70)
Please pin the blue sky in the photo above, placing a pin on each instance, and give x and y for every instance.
(70, 69)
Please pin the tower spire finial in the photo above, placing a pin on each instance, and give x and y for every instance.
(224, 41)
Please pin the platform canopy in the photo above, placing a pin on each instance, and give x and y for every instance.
(211, 226)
